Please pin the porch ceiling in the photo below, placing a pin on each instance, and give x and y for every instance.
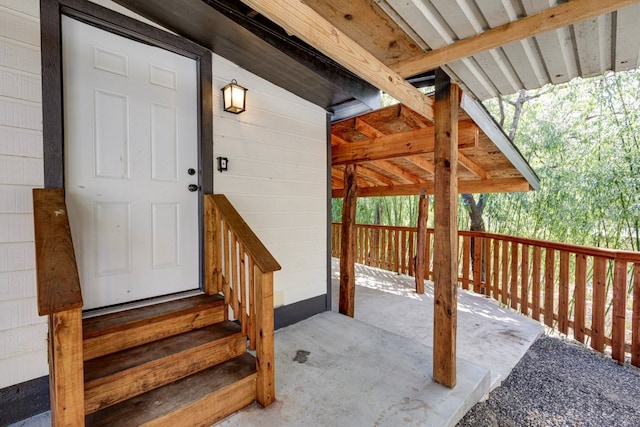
(538, 41)
(394, 150)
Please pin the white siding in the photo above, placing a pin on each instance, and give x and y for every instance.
(23, 334)
(277, 177)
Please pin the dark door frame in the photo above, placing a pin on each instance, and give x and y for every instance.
(51, 12)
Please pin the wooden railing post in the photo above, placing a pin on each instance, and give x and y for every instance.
(423, 215)
(264, 338)
(619, 310)
(66, 369)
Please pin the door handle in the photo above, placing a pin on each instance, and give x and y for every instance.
(193, 187)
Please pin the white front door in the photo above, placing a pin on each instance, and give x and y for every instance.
(131, 149)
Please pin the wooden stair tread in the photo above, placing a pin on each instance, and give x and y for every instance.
(113, 322)
(200, 399)
(127, 359)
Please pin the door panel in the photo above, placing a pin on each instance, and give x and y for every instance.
(131, 134)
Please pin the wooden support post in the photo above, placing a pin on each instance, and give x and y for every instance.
(212, 248)
(265, 359)
(423, 215)
(66, 369)
(347, 245)
(445, 231)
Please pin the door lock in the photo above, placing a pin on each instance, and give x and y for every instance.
(191, 171)
(193, 187)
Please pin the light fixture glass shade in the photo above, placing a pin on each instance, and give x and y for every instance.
(234, 97)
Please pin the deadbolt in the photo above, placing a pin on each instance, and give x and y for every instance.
(191, 171)
(193, 187)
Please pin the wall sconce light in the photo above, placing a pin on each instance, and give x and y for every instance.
(234, 97)
(223, 164)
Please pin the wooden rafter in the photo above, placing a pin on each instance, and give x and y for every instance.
(398, 171)
(472, 166)
(366, 129)
(547, 20)
(299, 19)
(411, 143)
(380, 178)
(501, 185)
(422, 163)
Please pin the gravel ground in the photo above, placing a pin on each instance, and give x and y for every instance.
(561, 383)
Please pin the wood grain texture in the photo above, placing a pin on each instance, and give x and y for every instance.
(299, 19)
(122, 330)
(580, 294)
(66, 375)
(198, 400)
(408, 143)
(547, 20)
(56, 269)
(445, 260)
(635, 319)
(347, 245)
(423, 216)
(119, 376)
(254, 247)
(619, 311)
(265, 352)
(599, 298)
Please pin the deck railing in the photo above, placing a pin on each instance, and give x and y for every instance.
(59, 298)
(238, 265)
(591, 294)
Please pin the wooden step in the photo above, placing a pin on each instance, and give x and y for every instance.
(119, 376)
(126, 329)
(197, 400)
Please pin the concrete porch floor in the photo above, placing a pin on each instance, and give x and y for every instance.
(376, 369)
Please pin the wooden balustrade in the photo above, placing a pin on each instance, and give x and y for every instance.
(59, 298)
(591, 294)
(238, 265)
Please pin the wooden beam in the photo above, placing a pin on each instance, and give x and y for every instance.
(66, 368)
(547, 20)
(381, 179)
(399, 172)
(410, 143)
(300, 20)
(348, 244)
(498, 185)
(421, 262)
(445, 246)
(422, 163)
(472, 166)
(366, 129)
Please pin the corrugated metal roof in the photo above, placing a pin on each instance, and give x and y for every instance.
(588, 48)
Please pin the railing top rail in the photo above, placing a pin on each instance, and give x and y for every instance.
(252, 244)
(56, 269)
(621, 255)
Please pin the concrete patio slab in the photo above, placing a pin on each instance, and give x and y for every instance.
(376, 369)
(332, 370)
(488, 335)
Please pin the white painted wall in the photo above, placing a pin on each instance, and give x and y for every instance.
(276, 179)
(23, 354)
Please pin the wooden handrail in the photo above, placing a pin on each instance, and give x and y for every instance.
(581, 291)
(238, 265)
(56, 269)
(607, 253)
(252, 244)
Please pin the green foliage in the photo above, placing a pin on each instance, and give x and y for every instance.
(582, 139)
